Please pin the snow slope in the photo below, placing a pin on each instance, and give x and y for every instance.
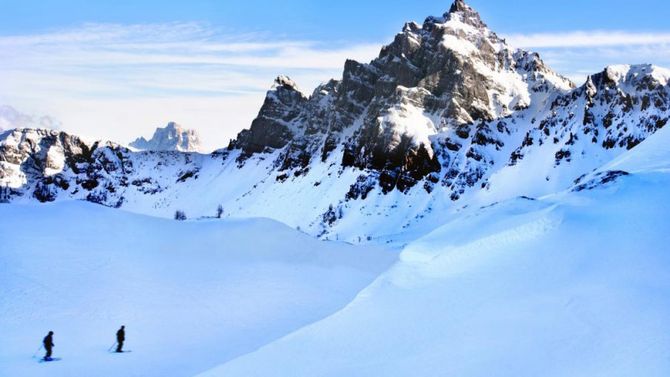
(192, 294)
(572, 284)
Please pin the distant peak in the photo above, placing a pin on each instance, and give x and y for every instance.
(172, 137)
(173, 126)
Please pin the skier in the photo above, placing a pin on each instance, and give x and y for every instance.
(120, 337)
(48, 345)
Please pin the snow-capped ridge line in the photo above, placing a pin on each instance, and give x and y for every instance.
(446, 117)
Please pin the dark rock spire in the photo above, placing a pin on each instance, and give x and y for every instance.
(465, 13)
(458, 6)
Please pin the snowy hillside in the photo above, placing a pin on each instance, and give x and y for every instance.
(513, 224)
(572, 284)
(172, 137)
(191, 294)
(575, 283)
(449, 116)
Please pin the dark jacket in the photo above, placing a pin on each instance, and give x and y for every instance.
(48, 341)
(120, 335)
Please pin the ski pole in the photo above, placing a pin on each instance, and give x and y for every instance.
(110, 348)
(38, 350)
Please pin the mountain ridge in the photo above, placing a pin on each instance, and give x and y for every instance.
(447, 116)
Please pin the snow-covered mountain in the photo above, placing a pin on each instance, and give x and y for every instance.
(571, 284)
(576, 283)
(527, 219)
(447, 117)
(172, 137)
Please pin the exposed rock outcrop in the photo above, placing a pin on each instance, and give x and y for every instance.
(172, 137)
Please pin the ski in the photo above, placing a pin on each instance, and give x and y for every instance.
(49, 360)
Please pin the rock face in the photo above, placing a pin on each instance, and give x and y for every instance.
(277, 122)
(170, 138)
(433, 82)
(48, 165)
(448, 116)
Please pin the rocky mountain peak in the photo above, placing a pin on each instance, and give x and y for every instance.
(172, 137)
(434, 79)
(285, 90)
(461, 11)
(448, 114)
(285, 82)
(458, 6)
(275, 126)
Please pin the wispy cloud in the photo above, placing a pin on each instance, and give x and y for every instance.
(588, 39)
(188, 72)
(580, 53)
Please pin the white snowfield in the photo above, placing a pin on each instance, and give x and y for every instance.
(573, 284)
(192, 294)
(539, 248)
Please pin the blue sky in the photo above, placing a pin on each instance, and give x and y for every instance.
(118, 69)
(352, 20)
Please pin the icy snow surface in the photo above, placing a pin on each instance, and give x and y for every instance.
(191, 294)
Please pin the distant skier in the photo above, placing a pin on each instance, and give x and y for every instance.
(48, 345)
(120, 338)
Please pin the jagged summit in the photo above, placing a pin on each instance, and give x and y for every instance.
(431, 81)
(458, 12)
(172, 137)
(463, 12)
(447, 116)
(286, 82)
(459, 6)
